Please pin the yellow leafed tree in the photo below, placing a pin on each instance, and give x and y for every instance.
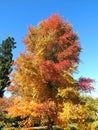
(42, 82)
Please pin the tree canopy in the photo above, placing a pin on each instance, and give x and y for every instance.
(43, 84)
(6, 59)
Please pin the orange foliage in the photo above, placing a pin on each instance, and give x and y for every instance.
(4, 104)
(45, 71)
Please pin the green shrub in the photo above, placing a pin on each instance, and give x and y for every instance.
(94, 125)
(73, 127)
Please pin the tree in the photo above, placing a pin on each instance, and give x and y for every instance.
(43, 78)
(4, 104)
(6, 63)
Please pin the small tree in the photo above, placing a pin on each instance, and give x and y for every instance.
(43, 80)
(6, 63)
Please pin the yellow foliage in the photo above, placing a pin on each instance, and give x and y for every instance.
(43, 83)
(65, 115)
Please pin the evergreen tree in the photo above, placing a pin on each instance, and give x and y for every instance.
(6, 63)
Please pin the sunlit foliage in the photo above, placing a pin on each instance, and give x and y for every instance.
(42, 83)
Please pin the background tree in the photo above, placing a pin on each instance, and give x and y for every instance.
(4, 104)
(6, 63)
(43, 80)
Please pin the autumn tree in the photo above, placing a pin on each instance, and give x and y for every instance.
(4, 104)
(43, 81)
(6, 59)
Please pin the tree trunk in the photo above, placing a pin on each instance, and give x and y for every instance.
(50, 124)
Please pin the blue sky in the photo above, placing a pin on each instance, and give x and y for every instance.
(17, 15)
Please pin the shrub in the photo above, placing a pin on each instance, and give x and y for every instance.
(94, 125)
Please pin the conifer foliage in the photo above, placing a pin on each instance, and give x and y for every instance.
(6, 63)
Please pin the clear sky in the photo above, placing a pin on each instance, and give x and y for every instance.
(17, 15)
